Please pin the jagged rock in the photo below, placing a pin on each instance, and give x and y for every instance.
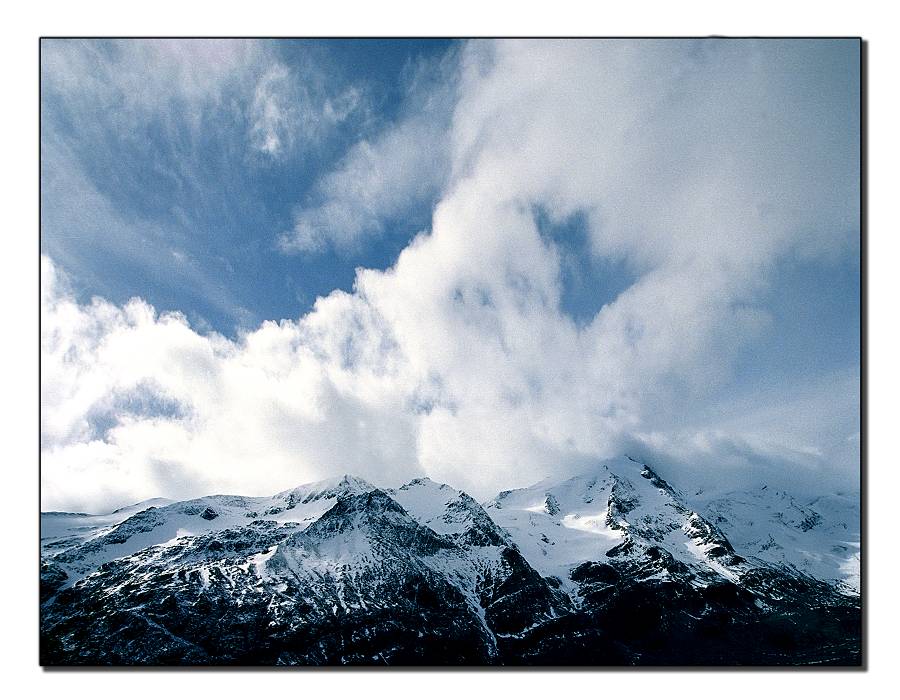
(551, 504)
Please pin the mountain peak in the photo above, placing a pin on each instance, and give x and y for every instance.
(333, 486)
(358, 525)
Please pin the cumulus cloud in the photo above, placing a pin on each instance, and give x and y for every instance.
(699, 163)
(135, 403)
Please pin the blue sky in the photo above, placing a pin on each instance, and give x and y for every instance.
(206, 196)
(638, 243)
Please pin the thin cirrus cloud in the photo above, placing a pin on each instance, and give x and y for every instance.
(288, 113)
(184, 81)
(113, 75)
(701, 165)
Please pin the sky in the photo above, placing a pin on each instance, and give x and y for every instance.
(489, 262)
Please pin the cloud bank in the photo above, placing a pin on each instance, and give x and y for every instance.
(699, 165)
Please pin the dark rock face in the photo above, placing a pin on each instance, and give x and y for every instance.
(551, 504)
(366, 583)
(670, 622)
(52, 579)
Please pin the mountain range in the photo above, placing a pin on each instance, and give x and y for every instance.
(613, 567)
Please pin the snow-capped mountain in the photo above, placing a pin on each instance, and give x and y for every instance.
(611, 567)
(623, 508)
(819, 537)
(78, 544)
(625, 504)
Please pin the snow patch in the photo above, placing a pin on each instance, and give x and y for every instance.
(595, 524)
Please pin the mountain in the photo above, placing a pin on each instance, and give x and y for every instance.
(77, 544)
(614, 567)
(819, 537)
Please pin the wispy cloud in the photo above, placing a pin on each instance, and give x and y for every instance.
(273, 115)
(80, 224)
(132, 83)
(292, 111)
(375, 182)
(385, 176)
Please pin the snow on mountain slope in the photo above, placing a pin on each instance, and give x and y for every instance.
(131, 531)
(621, 507)
(61, 530)
(559, 525)
(485, 559)
(449, 512)
(819, 537)
(360, 549)
(355, 586)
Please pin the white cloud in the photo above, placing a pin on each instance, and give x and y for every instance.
(375, 181)
(130, 83)
(701, 164)
(272, 116)
(382, 177)
(291, 111)
(280, 406)
(135, 79)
